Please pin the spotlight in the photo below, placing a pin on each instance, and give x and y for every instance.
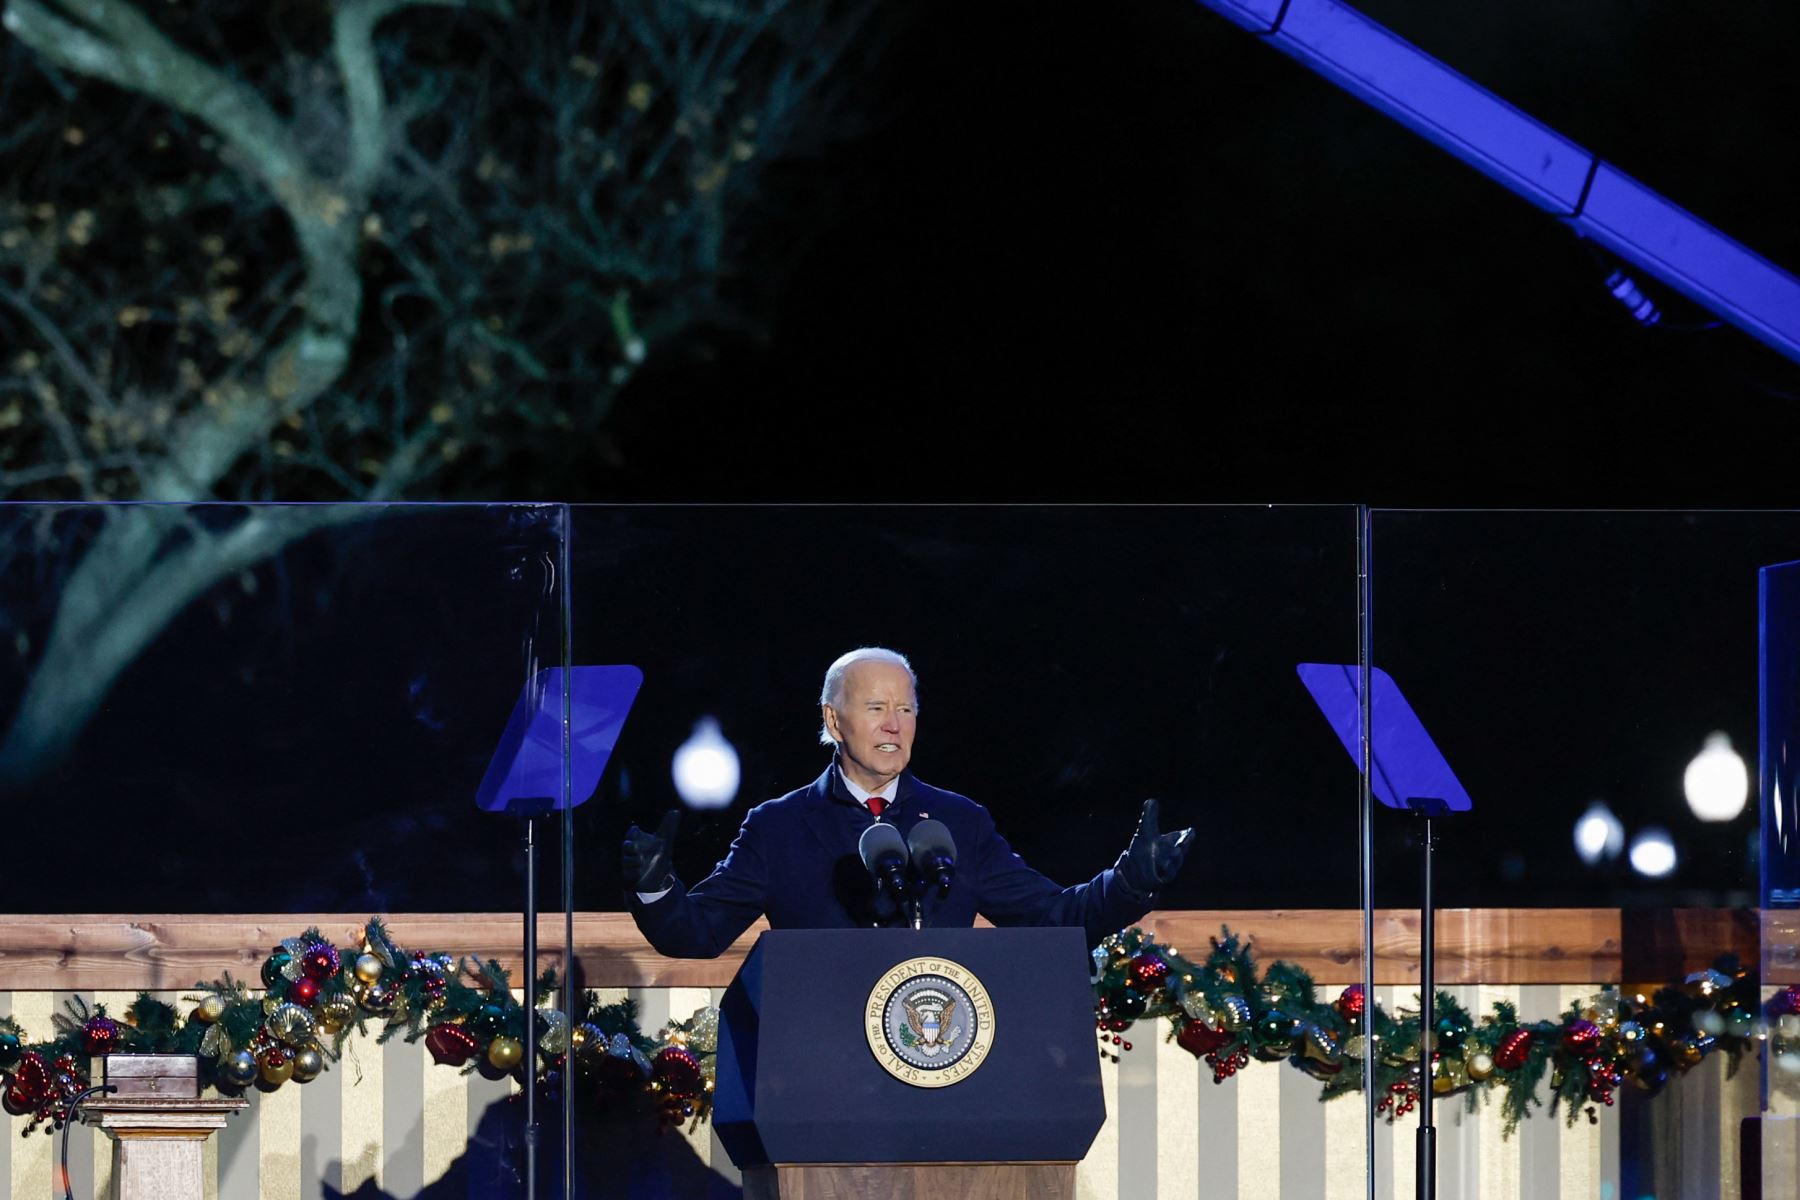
(1653, 853)
(1717, 782)
(706, 768)
(1598, 834)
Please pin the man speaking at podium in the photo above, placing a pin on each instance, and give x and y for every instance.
(796, 858)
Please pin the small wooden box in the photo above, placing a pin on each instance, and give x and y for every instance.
(163, 1076)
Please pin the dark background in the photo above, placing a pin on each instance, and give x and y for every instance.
(310, 738)
(1129, 252)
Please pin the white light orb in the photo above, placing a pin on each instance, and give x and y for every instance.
(1717, 782)
(706, 768)
(1598, 834)
(1653, 853)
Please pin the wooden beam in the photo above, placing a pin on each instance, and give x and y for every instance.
(125, 952)
(1480, 945)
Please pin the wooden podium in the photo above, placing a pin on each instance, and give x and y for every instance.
(889, 1064)
(159, 1125)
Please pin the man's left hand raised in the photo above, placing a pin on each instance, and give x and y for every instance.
(1153, 859)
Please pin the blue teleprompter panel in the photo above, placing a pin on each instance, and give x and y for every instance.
(1407, 766)
(525, 774)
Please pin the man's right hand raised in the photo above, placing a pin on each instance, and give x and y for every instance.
(647, 856)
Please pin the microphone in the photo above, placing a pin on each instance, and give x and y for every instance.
(933, 854)
(884, 854)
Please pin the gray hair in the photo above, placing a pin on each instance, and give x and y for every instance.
(832, 693)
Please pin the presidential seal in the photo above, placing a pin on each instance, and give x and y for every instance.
(930, 1022)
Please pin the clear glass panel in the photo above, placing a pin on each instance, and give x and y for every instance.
(287, 711)
(1592, 679)
(1774, 1136)
(1071, 663)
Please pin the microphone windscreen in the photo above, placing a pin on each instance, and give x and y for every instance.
(930, 841)
(881, 846)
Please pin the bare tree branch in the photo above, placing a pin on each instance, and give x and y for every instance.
(116, 43)
(536, 222)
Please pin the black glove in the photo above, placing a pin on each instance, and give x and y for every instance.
(647, 855)
(1153, 859)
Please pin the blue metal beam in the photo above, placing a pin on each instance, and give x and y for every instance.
(1573, 184)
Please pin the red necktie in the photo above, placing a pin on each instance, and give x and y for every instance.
(876, 804)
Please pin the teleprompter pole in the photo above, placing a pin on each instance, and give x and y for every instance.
(530, 1060)
(1427, 1143)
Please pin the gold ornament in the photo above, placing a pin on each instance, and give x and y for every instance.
(307, 1065)
(555, 1036)
(505, 1052)
(368, 968)
(1235, 1012)
(1354, 1047)
(278, 1074)
(1481, 1065)
(292, 1024)
(1443, 1085)
(335, 1012)
(703, 1034)
(1194, 1005)
(210, 1009)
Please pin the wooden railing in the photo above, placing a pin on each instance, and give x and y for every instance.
(121, 952)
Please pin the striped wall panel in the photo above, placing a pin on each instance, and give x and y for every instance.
(386, 1122)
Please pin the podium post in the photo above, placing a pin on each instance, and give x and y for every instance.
(158, 1123)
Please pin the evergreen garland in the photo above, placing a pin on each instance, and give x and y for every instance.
(1222, 1010)
(316, 997)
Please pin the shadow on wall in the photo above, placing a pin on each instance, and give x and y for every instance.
(618, 1156)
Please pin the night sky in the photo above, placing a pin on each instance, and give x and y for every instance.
(1127, 252)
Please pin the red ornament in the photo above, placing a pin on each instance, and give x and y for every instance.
(1147, 971)
(1581, 1038)
(676, 1068)
(319, 962)
(1513, 1050)
(30, 1085)
(451, 1045)
(1603, 1077)
(1198, 1038)
(100, 1035)
(1350, 1003)
(275, 1056)
(304, 991)
(1786, 1002)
